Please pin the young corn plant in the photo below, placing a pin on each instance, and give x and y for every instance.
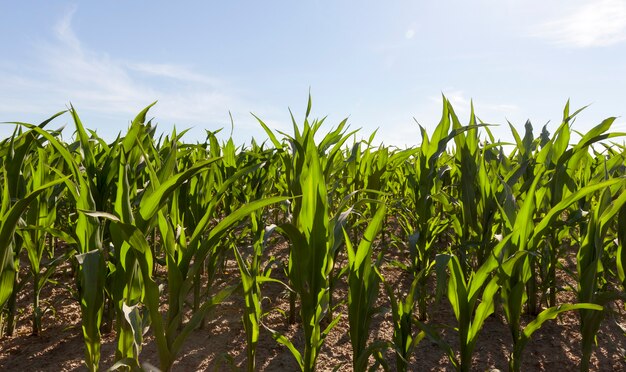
(88, 238)
(515, 274)
(252, 276)
(406, 326)
(313, 234)
(620, 255)
(464, 295)
(126, 284)
(565, 163)
(11, 213)
(429, 200)
(171, 334)
(363, 287)
(184, 259)
(39, 219)
(92, 258)
(476, 207)
(309, 261)
(589, 267)
(17, 153)
(250, 282)
(250, 269)
(91, 276)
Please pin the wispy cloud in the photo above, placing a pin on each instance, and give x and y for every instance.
(64, 33)
(65, 70)
(101, 82)
(595, 24)
(176, 72)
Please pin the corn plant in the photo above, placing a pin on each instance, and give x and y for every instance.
(363, 287)
(427, 190)
(88, 238)
(40, 217)
(169, 338)
(313, 234)
(564, 162)
(621, 252)
(11, 214)
(470, 313)
(16, 152)
(514, 274)
(588, 264)
(250, 269)
(405, 338)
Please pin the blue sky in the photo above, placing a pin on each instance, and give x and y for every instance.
(379, 63)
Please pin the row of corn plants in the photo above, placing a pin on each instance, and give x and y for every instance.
(482, 226)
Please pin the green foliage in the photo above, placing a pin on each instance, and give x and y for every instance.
(460, 216)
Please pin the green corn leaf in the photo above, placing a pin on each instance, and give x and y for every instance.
(281, 339)
(92, 278)
(154, 201)
(7, 229)
(552, 313)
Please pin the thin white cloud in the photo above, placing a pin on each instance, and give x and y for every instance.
(409, 34)
(172, 71)
(102, 83)
(64, 70)
(595, 24)
(63, 30)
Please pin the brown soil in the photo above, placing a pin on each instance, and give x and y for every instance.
(221, 345)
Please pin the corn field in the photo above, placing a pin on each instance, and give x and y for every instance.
(145, 225)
